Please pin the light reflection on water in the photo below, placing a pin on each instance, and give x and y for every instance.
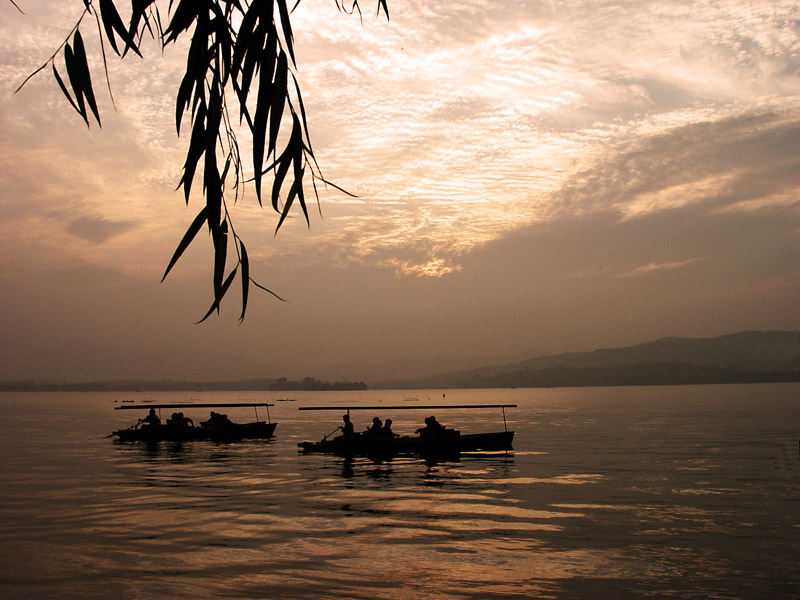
(653, 492)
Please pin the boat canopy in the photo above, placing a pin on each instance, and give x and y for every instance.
(159, 406)
(407, 407)
(415, 407)
(192, 405)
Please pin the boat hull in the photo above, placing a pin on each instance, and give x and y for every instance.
(228, 432)
(364, 445)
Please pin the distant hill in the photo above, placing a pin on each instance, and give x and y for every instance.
(749, 356)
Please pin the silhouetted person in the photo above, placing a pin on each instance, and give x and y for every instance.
(376, 427)
(213, 419)
(347, 429)
(432, 427)
(387, 429)
(216, 419)
(178, 420)
(151, 420)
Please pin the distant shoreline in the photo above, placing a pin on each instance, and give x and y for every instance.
(249, 385)
(478, 383)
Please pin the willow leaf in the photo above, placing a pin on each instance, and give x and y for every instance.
(283, 164)
(64, 89)
(185, 14)
(244, 38)
(187, 239)
(253, 58)
(302, 112)
(245, 278)
(287, 28)
(220, 240)
(109, 14)
(299, 172)
(278, 100)
(218, 298)
(194, 75)
(74, 80)
(84, 76)
(112, 22)
(139, 12)
(294, 191)
(294, 150)
(195, 152)
(263, 107)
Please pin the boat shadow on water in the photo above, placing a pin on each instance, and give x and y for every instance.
(186, 451)
(384, 466)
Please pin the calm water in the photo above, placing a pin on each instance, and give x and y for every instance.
(655, 492)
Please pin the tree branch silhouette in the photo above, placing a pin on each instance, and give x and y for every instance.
(239, 51)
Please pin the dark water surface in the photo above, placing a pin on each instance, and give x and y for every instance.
(651, 492)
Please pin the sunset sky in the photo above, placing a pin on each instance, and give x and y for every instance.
(532, 177)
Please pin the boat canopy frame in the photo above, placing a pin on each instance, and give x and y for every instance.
(417, 407)
(159, 406)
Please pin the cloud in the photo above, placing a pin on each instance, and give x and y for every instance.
(97, 230)
(568, 173)
(651, 267)
(725, 161)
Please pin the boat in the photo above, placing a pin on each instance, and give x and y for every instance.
(216, 428)
(438, 441)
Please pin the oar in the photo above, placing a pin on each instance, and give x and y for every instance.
(331, 433)
(134, 426)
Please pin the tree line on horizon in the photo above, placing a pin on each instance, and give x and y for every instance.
(282, 384)
(628, 375)
(309, 384)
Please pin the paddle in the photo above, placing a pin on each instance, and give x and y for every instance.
(331, 433)
(134, 426)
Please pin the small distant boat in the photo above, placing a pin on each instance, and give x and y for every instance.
(214, 429)
(435, 442)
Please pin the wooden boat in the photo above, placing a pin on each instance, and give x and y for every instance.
(437, 442)
(217, 430)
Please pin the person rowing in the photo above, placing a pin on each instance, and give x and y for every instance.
(151, 420)
(348, 432)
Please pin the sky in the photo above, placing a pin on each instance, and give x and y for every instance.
(530, 178)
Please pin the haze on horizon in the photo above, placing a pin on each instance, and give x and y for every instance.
(544, 178)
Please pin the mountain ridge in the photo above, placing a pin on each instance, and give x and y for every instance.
(735, 357)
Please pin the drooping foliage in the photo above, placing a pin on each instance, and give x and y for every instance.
(240, 59)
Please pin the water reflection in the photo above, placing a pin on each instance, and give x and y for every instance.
(656, 510)
(434, 470)
(185, 451)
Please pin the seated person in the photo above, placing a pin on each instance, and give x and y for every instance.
(151, 420)
(212, 420)
(348, 432)
(387, 429)
(432, 427)
(216, 419)
(376, 427)
(178, 420)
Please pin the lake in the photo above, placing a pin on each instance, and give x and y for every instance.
(641, 492)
